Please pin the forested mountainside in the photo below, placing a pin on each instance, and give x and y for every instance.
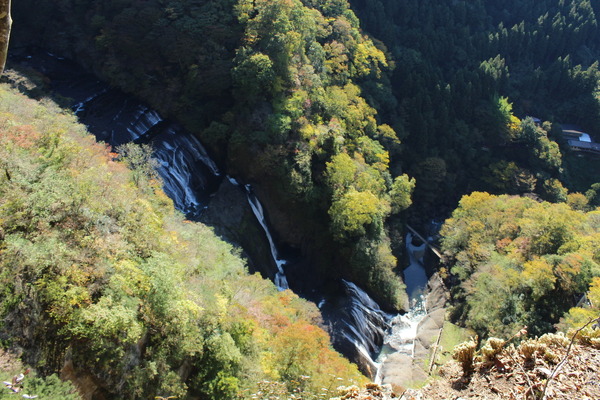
(521, 263)
(349, 118)
(284, 109)
(103, 281)
(464, 68)
(295, 97)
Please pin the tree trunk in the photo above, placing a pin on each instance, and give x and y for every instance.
(5, 24)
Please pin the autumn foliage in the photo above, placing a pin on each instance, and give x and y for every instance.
(519, 262)
(97, 269)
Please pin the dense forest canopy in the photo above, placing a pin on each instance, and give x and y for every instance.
(274, 88)
(519, 262)
(456, 60)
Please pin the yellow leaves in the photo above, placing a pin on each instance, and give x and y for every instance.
(341, 171)
(268, 365)
(130, 279)
(401, 192)
(353, 211)
(63, 297)
(589, 309)
(594, 292)
(368, 58)
(514, 123)
(186, 312)
(383, 161)
(336, 62)
(309, 132)
(221, 305)
(539, 276)
(474, 201)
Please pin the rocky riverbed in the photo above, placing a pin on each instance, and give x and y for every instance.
(401, 370)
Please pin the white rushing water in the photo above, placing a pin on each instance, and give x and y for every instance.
(400, 338)
(364, 324)
(189, 175)
(257, 208)
(145, 120)
(80, 107)
(185, 168)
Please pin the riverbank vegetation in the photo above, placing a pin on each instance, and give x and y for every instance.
(101, 276)
(518, 262)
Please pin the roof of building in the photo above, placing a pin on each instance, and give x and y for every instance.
(581, 145)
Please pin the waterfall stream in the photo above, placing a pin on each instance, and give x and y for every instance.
(280, 279)
(357, 324)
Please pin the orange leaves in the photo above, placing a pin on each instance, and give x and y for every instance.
(502, 244)
(24, 136)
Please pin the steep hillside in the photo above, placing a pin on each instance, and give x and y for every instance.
(274, 88)
(516, 262)
(461, 66)
(103, 281)
(295, 98)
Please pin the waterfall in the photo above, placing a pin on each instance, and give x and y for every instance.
(80, 107)
(186, 169)
(188, 173)
(145, 120)
(357, 323)
(126, 119)
(367, 322)
(257, 209)
(402, 335)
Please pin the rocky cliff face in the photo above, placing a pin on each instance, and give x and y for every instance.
(232, 219)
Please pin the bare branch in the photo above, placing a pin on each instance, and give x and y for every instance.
(560, 364)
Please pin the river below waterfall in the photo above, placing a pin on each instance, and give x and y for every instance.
(356, 323)
(407, 344)
(400, 338)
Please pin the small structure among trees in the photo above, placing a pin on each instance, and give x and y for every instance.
(579, 140)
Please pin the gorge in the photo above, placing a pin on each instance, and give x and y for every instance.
(193, 181)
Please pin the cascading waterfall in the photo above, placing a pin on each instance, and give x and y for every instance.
(366, 322)
(185, 168)
(145, 120)
(257, 208)
(127, 119)
(188, 173)
(80, 107)
(363, 324)
(190, 177)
